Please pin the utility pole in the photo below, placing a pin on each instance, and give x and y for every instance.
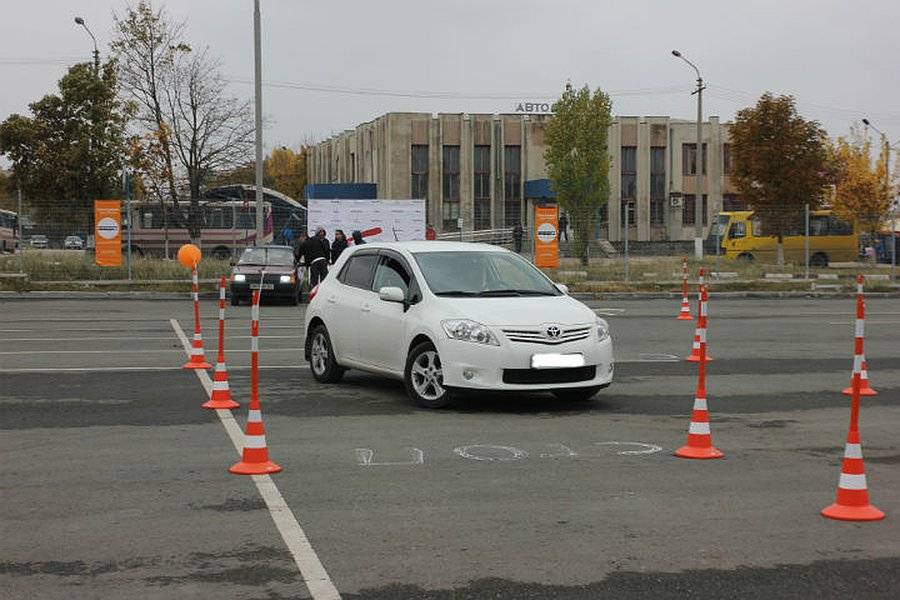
(698, 196)
(887, 190)
(20, 250)
(257, 84)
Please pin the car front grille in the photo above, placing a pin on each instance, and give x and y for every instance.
(538, 336)
(546, 376)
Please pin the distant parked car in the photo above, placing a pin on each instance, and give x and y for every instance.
(269, 269)
(73, 242)
(40, 241)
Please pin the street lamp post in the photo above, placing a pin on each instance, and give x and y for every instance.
(698, 196)
(80, 21)
(887, 187)
(257, 84)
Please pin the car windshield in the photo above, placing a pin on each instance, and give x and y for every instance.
(482, 274)
(719, 227)
(279, 257)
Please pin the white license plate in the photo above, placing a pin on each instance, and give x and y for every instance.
(556, 361)
(264, 286)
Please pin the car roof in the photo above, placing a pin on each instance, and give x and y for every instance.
(416, 247)
(271, 247)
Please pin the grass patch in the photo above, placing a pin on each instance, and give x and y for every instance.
(74, 265)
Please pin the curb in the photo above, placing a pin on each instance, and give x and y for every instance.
(50, 295)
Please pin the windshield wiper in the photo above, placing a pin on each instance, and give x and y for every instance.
(457, 293)
(515, 292)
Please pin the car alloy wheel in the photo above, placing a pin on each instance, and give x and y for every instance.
(318, 354)
(325, 368)
(427, 378)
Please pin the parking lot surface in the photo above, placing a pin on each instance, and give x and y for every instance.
(115, 483)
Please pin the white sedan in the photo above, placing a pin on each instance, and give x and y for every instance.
(447, 316)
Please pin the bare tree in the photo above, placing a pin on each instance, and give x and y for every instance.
(210, 130)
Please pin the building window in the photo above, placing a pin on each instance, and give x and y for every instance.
(419, 172)
(450, 188)
(657, 186)
(726, 159)
(512, 188)
(687, 212)
(629, 172)
(482, 207)
(732, 202)
(689, 159)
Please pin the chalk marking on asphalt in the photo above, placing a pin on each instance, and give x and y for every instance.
(658, 357)
(364, 457)
(609, 312)
(312, 571)
(644, 448)
(470, 452)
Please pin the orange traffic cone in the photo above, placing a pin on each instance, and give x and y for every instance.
(198, 359)
(859, 359)
(221, 393)
(685, 313)
(699, 439)
(255, 456)
(700, 331)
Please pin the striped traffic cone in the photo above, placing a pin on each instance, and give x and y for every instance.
(699, 439)
(255, 455)
(859, 360)
(700, 331)
(685, 313)
(221, 393)
(198, 359)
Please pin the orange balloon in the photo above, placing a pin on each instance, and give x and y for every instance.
(189, 255)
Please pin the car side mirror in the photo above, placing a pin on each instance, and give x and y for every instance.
(392, 294)
(563, 288)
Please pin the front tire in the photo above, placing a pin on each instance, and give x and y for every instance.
(576, 394)
(322, 363)
(424, 377)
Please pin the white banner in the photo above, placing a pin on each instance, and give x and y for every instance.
(378, 220)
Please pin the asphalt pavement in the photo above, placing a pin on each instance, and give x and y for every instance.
(114, 480)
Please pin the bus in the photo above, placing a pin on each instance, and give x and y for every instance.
(285, 210)
(830, 239)
(8, 231)
(226, 228)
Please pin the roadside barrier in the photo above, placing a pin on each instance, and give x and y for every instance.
(221, 392)
(198, 359)
(852, 502)
(699, 439)
(700, 331)
(255, 455)
(685, 313)
(859, 358)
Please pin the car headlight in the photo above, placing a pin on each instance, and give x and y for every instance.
(240, 278)
(602, 330)
(469, 331)
(286, 279)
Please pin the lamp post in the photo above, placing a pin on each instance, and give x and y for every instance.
(257, 85)
(698, 196)
(887, 186)
(80, 21)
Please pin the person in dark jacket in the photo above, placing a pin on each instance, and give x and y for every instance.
(315, 256)
(320, 235)
(517, 234)
(338, 245)
(563, 227)
(358, 238)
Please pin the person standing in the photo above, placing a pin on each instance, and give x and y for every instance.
(563, 227)
(338, 245)
(357, 238)
(315, 256)
(287, 235)
(517, 234)
(430, 234)
(320, 235)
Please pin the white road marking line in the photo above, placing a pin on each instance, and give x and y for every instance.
(231, 367)
(13, 353)
(166, 337)
(850, 322)
(313, 572)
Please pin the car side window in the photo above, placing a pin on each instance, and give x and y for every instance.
(358, 270)
(738, 230)
(390, 272)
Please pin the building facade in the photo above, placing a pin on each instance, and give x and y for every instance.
(489, 170)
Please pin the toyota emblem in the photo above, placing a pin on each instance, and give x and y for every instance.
(553, 332)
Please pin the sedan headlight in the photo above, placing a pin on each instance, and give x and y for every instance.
(240, 278)
(286, 279)
(602, 330)
(469, 331)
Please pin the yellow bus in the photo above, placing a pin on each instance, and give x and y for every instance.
(830, 239)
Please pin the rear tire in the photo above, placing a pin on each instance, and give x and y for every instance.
(746, 257)
(576, 394)
(322, 363)
(423, 377)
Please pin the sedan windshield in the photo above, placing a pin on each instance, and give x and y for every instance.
(482, 274)
(280, 257)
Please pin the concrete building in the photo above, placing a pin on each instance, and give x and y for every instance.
(489, 170)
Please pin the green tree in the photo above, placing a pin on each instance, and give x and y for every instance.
(8, 198)
(779, 164)
(577, 159)
(71, 150)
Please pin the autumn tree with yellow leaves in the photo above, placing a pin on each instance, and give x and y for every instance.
(862, 192)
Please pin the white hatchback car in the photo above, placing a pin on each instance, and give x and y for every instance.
(445, 316)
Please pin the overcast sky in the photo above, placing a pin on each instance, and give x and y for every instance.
(840, 59)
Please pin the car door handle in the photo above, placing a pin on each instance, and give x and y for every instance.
(332, 300)
(366, 307)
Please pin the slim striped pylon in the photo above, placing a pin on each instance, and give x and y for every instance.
(255, 456)
(852, 502)
(685, 313)
(699, 439)
(221, 393)
(702, 318)
(859, 360)
(197, 359)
